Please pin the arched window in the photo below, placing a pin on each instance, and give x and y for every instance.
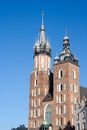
(74, 74)
(61, 87)
(48, 113)
(60, 73)
(61, 109)
(61, 120)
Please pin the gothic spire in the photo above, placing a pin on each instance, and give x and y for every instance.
(42, 45)
(42, 31)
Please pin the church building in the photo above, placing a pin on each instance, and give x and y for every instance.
(53, 95)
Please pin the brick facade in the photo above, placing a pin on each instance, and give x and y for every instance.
(53, 95)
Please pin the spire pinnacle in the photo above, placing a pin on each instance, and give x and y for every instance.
(42, 26)
(42, 17)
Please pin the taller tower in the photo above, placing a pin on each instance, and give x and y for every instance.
(53, 95)
(66, 85)
(40, 80)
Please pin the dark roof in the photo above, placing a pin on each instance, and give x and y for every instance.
(83, 92)
(48, 97)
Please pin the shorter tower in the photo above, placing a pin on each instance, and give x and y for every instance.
(66, 85)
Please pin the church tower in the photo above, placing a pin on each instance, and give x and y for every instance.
(66, 86)
(40, 80)
(52, 95)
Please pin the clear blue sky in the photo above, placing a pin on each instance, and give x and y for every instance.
(20, 22)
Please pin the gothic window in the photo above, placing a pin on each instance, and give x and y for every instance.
(61, 121)
(48, 113)
(73, 88)
(36, 123)
(42, 63)
(45, 91)
(56, 121)
(64, 97)
(74, 74)
(35, 102)
(36, 73)
(60, 99)
(64, 108)
(64, 121)
(60, 87)
(38, 112)
(61, 109)
(31, 113)
(35, 82)
(60, 73)
(34, 92)
(35, 113)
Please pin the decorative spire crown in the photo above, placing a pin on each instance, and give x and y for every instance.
(42, 45)
(66, 54)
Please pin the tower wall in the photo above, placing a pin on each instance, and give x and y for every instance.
(66, 93)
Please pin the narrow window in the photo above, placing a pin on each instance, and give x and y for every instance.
(64, 121)
(74, 74)
(36, 73)
(61, 98)
(60, 73)
(31, 113)
(61, 121)
(35, 82)
(38, 112)
(64, 97)
(61, 109)
(56, 121)
(64, 108)
(61, 87)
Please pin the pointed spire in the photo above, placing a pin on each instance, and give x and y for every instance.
(42, 34)
(42, 19)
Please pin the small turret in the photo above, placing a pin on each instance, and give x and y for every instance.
(66, 54)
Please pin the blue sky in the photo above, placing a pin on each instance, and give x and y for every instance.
(20, 22)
